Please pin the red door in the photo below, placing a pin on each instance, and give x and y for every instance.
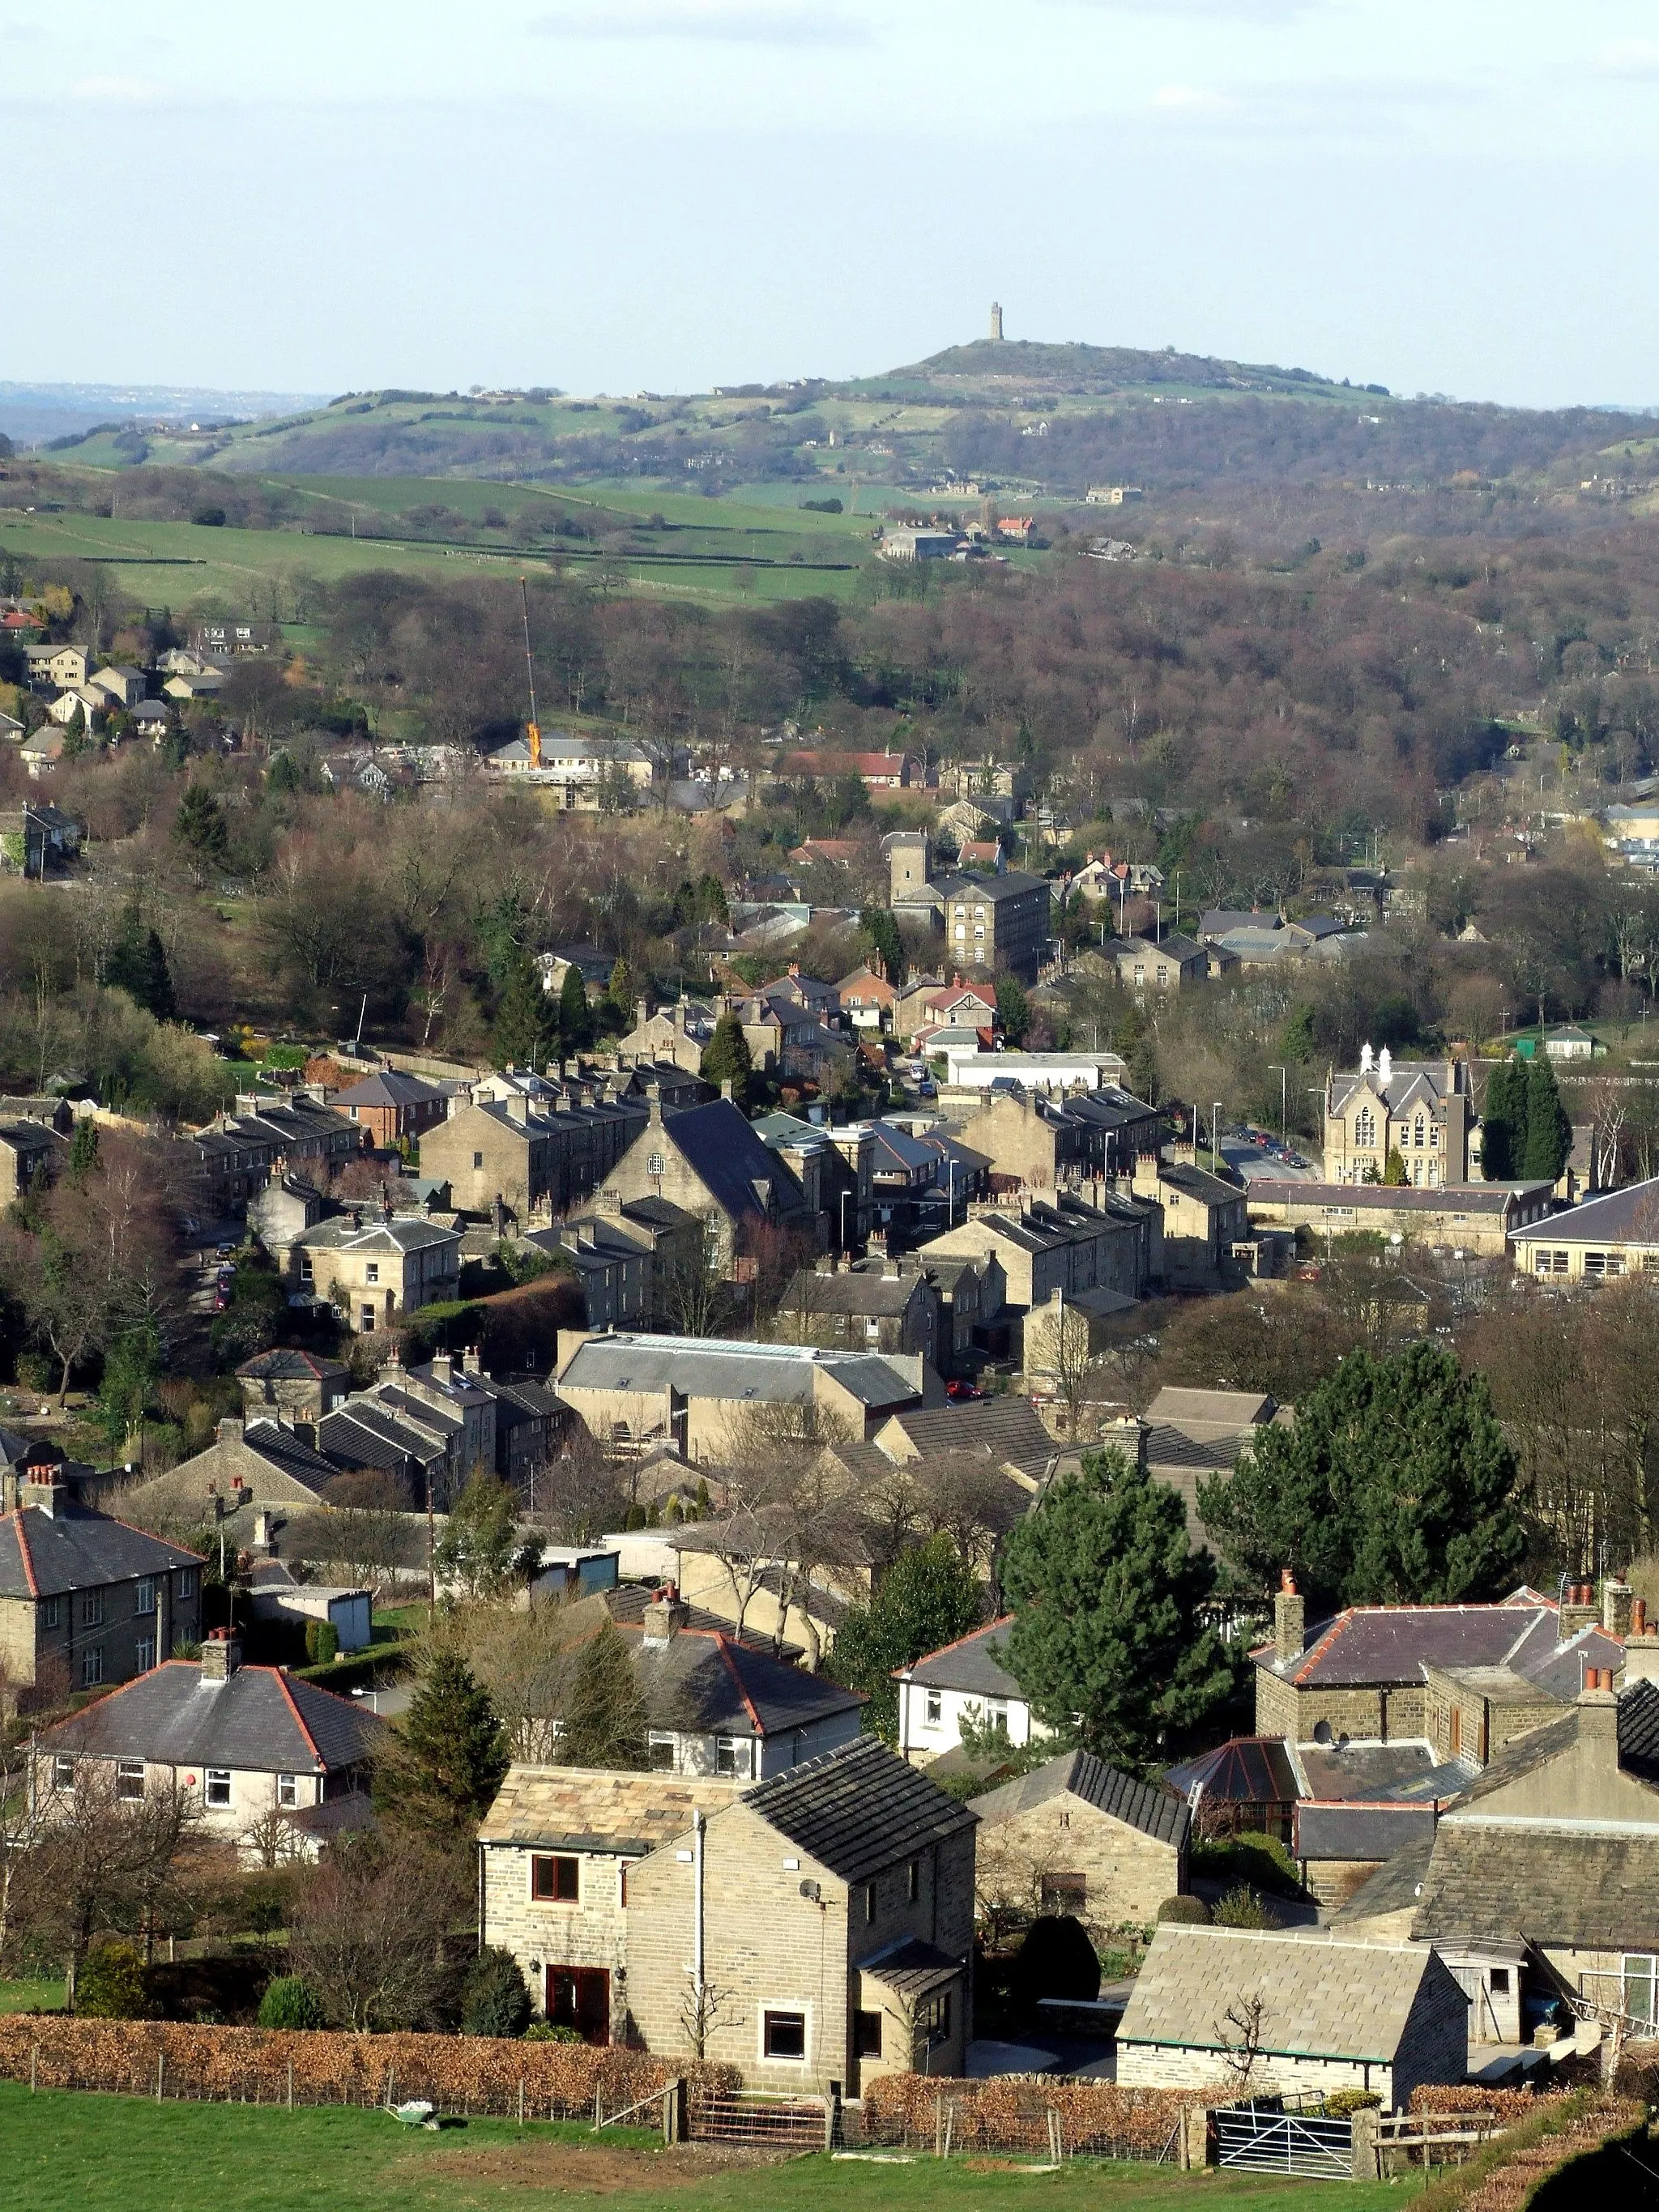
(580, 1997)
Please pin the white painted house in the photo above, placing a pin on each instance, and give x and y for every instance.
(965, 1680)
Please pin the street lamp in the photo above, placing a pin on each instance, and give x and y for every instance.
(1284, 1109)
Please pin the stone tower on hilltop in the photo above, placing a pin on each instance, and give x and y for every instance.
(996, 322)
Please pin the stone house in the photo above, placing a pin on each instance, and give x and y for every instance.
(85, 1599)
(1191, 1437)
(830, 1913)
(376, 1268)
(881, 1304)
(715, 1704)
(536, 1156)
(1485, 1220)
(31, 1154)
(238, 1154)
(709, 1161)
(390, 1106)
(1331, 2012)
(301, 1384)
(1204, 1217)
(556, 1849)
(1170, 963)
(1077, 1837)
(866, 998)
(1421, 1109)
(1037, 1142)
(263, 1462)
(1467, 1679)
(1544, 1877)
(59, 665)
(1066, 1245)
(997, 922)
(971, 1291)
(275, 1764)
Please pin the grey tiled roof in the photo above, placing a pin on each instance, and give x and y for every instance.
(285, 1364)
(1395, 1887)
(1630, 1216)
(1324, 1996)
(389, 1089)
(710, 1684)
(1156, 1812)
(47, 1554)
(261, 1719)
(858, 1809)
(724, 1154)
(1006, 1428)
(912, 1968)
(1370, 1644)
(1591, 1889)
(972, 1664)
(586, 1809)
(712, 1367)
(1359, 1832)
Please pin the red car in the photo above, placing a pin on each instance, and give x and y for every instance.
(962, 1390)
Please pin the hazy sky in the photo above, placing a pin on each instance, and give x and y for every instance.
(1442, 195)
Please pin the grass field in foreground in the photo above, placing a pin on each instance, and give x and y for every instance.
(104, 2154)
(31, 1997)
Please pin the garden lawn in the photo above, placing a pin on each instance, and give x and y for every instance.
(104, 2154)
(31, 1997)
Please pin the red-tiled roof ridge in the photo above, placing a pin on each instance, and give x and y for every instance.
(280, 1673)
(1002, 1620)
(23, 1553)
(723, 1644)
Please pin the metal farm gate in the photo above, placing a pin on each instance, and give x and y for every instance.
(757, 2120)
(1256, 2140)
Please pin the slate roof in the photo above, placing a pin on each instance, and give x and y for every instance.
(1005, 1428)
(1395, 1887)
(1179, 1406)
(859, 1808)
(403, 1232)
(912, 1968)
(389, 1089)
(971, 1664)
(262, 1719)
(48, 1555)
(626, 1603)
(862, 1290)
(1630, 1216)
(713, 1367)
(1368, 1773)
(579, 1808)
(1457, 1198)
(1359, 1832)
(1324, 1996)
(285, 1364)
(1566, 1888)
(1156, 1812)
(1370, 1644)
(728, 1157)
(1198, 1183)
(288, 1454)
(704, 1683)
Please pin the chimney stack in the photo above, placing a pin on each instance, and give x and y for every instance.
(1578, 1609)
(50, 1495)
(666, 1615)
(1290, 1621)
(222, 1655)
(230, 1429)
(443, 1367)
(1616, 1602)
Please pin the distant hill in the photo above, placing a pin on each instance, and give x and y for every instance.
(33, 414)
(992, 369)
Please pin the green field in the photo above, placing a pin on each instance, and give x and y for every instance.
(713, 550)
(31, 1997)
(104, 2154)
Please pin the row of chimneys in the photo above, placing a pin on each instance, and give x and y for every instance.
(1619, 1615)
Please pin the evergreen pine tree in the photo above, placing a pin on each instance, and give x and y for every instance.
(882, 941)
(84, 1153)
(1549, 1133)
(137, 964)
(452, 1756)
(525, 1032)
(928, 1597)
(1502, 1122)
(1106, 1593)
(480, 1538)
(726, 1057)
(576, 1015)
(199, 827)
(1133, 1037)
(605, 1717)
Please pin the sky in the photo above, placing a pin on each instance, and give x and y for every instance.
(1447, 196)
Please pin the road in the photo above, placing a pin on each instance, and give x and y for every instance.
(1254, 1164)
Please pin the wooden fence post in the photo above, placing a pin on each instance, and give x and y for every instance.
(290, 2084)
(161, 2073)
(34, 2055)
(521, 2101)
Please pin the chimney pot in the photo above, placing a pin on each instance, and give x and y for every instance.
(222, 1655)
(1638, 1625)
(1290, 1622)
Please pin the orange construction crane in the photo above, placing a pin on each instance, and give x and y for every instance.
(532, 728)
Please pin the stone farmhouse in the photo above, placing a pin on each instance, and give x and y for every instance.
(1336, 2012)
(814, 1929)
(1077, 1837)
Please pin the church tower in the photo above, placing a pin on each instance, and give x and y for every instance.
(996, 323)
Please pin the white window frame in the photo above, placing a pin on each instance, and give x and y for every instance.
(127, 1772)
(216, 1779)
(735, 1755)
(287, 1792)
(63, 1774)
(662, 1739)
(796, 2011)
(146, 1594)
(934, 1709)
